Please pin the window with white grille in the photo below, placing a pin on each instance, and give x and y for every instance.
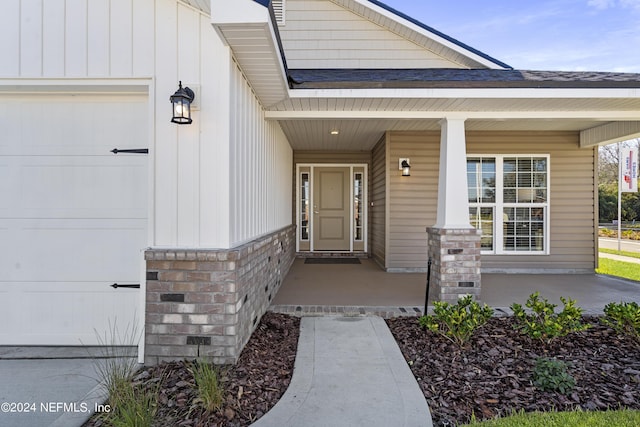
(509, 202)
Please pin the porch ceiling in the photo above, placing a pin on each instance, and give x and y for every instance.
(308, 121)
(363, 135)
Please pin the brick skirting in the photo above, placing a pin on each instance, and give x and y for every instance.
(207, 303)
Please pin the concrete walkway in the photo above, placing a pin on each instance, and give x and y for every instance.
(625, 245)
(620, 258)
(349, 371)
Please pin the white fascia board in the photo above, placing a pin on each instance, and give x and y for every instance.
(470, 115)
(447, 43)
(469, 93)
(280, 62)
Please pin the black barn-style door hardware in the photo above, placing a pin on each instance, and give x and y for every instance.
(134, 286)
(131, 150)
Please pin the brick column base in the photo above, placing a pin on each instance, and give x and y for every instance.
(455, 263)
(207, 303)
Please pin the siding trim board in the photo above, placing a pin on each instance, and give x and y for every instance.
(378, 208)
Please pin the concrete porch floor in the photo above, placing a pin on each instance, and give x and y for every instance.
(323, 288)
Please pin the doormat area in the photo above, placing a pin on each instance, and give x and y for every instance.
(332, 261)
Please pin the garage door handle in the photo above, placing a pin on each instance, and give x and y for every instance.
(116, 286)
(132, 150)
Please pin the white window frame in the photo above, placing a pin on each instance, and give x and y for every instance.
(499, 205)
(299, 200)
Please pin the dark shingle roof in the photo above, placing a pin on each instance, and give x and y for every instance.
(457, 78)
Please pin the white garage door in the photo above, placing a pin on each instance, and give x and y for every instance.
(72, 216)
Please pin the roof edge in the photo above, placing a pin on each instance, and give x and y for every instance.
(457, 78)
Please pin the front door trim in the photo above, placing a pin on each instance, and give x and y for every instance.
(298, 202)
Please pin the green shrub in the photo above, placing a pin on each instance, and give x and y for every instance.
(207, 378)
(136, 407)
(624, 317)
(552, 375)
(115, 362)
(457, 322)
(544, 323)
(626, 234)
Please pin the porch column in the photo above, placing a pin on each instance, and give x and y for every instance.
(453, 243)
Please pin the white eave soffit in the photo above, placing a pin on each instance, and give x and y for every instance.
(201, 5)
(610, 133)
(246, 27)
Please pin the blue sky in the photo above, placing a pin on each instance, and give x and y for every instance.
(568, 35)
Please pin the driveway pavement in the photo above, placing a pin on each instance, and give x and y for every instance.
(48, 386)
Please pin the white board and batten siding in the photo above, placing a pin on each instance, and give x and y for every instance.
(322, 34)
(412, 200)
(116, 58)
(109, 42)
(77, 38)
(261, 167)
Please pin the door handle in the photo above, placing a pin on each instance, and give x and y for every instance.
(316, 212)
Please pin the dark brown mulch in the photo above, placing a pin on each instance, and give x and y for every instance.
(492, 375)
(252, 386)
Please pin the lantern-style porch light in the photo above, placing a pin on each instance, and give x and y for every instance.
(405, 167)
(181, 101)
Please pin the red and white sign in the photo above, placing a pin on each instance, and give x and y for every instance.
(628, 170)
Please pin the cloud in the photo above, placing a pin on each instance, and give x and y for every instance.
(632, 4)
(601, 4)
(606, 4)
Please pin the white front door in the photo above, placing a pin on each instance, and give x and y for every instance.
(73, 217)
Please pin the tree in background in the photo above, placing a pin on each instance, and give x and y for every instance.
(608, 186)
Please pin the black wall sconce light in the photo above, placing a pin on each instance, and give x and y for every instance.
(181, 101)
(405, 167)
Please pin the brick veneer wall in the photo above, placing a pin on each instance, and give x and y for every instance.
(455, 258)
(207, 303)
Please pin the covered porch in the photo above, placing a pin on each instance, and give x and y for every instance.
(365, 288)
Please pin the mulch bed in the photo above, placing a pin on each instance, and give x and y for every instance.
(252, 386)
(492, 375)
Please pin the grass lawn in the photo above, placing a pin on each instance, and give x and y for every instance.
(627, 270)
(622, 418)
